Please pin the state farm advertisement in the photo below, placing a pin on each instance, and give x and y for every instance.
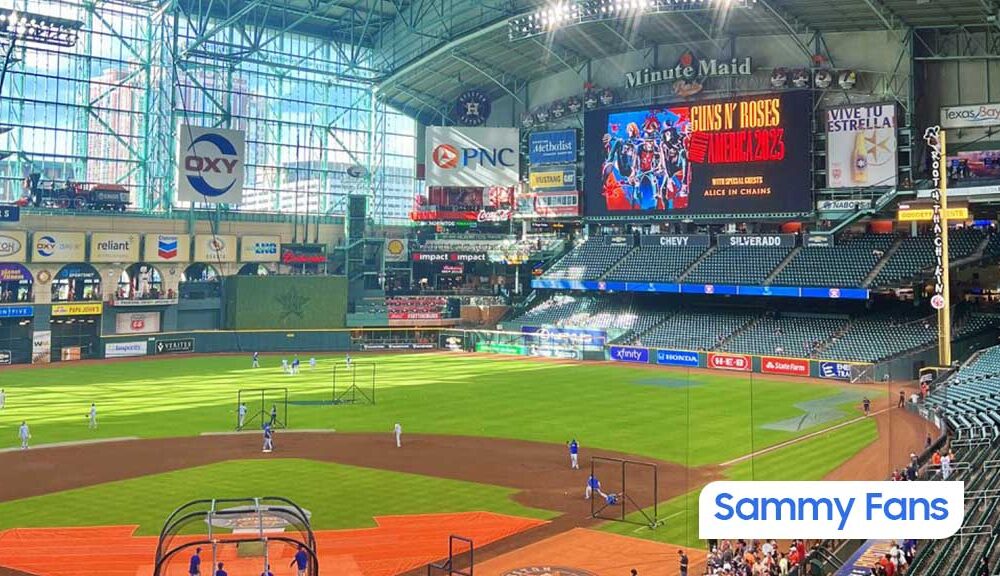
(137, 323)
(735, 362)
(784, 366)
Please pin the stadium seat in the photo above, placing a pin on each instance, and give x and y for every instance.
(588, 261)
(845, 264)
(746, 266)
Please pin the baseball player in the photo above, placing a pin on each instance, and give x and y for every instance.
(3, 398)
(867, 406)
(274, 414)
(284, 365)
(24, 434)
(93, 417)
(256, 363)
(267, 571)
(398, 431)
(312, 363)
(220, 571)
(574, 454)
(242, 410)
(301, 561)
(347, 359)
(268, 438)
(295, 365)
(593, 485)
(194, 565)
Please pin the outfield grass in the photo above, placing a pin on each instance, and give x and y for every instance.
(336, 495)
(694, 418)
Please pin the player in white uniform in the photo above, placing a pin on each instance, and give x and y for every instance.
(93, 417)
(348, 359)
(3, 398)
(312, 363)
(24, 434)
(398, 431)
(242, 410)
(256, 363)
(284, 365)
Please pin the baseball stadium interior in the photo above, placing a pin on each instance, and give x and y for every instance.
(492, 287)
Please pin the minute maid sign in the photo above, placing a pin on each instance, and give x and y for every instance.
(689, 73)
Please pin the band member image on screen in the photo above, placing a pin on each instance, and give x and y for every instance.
(731, 156)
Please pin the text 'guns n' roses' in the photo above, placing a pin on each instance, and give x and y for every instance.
(743, 131)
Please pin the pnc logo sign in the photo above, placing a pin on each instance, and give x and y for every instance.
(472, 157)
(446, 156)
(216, 156)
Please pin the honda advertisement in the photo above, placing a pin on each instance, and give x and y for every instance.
(784, 366)
(472, 156)
(735, 362)
(743, 155)
(629, 354)
(677, 358)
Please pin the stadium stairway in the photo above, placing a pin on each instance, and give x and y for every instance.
(777, 270)
(707, 254)
(619, 263)
(881, 263)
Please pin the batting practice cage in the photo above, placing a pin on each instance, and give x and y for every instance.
(628, 491)
(354, 383)
(247, 535)
(460, 561)
(260, 403)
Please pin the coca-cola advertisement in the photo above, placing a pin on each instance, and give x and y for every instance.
(492, 204)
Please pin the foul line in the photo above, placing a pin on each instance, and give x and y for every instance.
(802, 438)
(64, 444)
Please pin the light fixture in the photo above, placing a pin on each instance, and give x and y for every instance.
(570, 12)
(28, 27)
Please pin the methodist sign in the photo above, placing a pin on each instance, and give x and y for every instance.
(210, 164)
(472, 156)
(555, 147)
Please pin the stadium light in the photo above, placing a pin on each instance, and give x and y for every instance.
(570, 12)
(29, 27)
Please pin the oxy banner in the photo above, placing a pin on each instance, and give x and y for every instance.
(831, 510)
(629, 354)
(210, 164)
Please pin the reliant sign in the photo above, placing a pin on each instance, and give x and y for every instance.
(688, 70)
(112, 247)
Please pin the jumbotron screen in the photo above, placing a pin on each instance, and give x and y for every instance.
(736, 156)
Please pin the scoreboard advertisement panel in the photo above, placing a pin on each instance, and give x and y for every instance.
(735, 156)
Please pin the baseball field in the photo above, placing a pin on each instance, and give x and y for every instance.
(484, 449)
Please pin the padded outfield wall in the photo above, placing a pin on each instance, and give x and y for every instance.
(285, 302)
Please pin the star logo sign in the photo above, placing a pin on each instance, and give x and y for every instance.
(445, 156)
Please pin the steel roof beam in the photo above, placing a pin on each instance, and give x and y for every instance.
(892, 22)
(791, 24)
(492, 75)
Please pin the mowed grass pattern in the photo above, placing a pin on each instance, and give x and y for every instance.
(717, 418)
(336, 495)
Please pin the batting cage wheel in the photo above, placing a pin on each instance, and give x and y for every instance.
(354, 383)
(259, 402)
(629, 491)
(249, 535)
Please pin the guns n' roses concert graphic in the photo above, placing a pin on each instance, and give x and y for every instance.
(735, 156)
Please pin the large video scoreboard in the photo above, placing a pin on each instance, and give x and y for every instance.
(737, 156)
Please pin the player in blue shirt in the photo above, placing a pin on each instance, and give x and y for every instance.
(593, 485)
(220, 571)
(194, 566)
(268, 438)
(267, 571)
(295, 365)
(574, 453)
(611, 499)
(301, 560)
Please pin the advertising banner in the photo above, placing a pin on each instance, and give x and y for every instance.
(260, 248)
(926, 214)
(449, 257)
(974, 116)
(70, 353)
(13, 245)
(14, 272)
(6, 357)
(547, 204)
(843, 205)
(861, 146)
(17, 311)
(41, 347)
(210, 248)
(58, 246)
(818, 240)
(125, 349)
(114, 247)
(550, 334)
(973, 164)
(677, 358)
(835, 370)
(513, 349)
(166, 248)
(676, 241)
(757, 240)
(785, 366)
(735, 362)
(472, 156)
(452, 342)
(174, 346)
(303, 253)
(554, 352)
(137, 322)
(553, 179)
(743, 155)
(629, 354)
(87, 309)
(210, 164)
(554, 147)
(453, 269)
(396, 250)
